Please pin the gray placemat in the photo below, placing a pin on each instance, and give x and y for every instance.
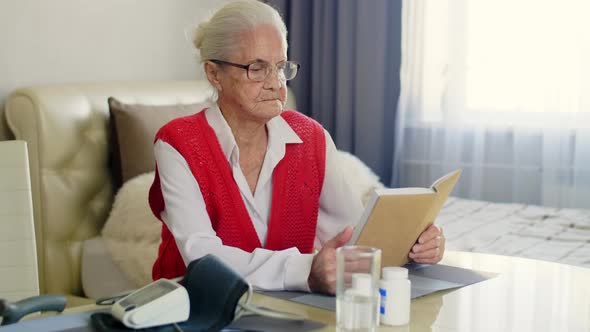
(426, 279)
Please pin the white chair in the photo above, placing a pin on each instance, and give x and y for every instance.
(18, 253)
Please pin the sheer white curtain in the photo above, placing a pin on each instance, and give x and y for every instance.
(500, 89)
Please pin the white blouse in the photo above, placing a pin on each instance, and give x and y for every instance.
(186, 216)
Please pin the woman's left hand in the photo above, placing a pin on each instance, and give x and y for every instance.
(430, 247)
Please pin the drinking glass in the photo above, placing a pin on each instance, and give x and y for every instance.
(357, 288)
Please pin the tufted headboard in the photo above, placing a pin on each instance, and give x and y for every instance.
(66, 127)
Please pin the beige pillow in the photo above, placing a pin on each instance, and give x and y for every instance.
(133, 128)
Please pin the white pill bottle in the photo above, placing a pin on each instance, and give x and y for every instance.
(395, 290)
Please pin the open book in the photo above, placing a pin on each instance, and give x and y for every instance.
(394, 218)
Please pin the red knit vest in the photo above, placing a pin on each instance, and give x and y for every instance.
(297, 184)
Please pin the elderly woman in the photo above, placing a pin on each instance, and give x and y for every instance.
(257, 186)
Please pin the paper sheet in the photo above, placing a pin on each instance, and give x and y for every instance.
(426, 279)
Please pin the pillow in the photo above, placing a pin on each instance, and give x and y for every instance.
(134, 127)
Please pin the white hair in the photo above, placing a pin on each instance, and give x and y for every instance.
(219, 37)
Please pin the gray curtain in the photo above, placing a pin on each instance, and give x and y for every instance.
(350, 53)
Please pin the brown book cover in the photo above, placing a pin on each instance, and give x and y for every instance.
(394, 218)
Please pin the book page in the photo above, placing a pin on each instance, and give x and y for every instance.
(403, 191)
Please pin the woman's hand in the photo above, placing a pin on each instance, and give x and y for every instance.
(430, 247)
(322, 277)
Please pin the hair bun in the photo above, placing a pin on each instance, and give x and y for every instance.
(200, 34)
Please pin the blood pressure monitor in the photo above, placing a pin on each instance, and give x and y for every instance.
(159, 303)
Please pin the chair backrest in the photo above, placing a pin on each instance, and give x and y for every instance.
(66, 128)
(18, 253)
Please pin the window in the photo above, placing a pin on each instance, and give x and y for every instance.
(507, 62)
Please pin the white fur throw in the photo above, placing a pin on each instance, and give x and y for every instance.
(132, 233)
(361, 178)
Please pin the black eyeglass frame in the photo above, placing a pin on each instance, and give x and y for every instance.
(247, 67)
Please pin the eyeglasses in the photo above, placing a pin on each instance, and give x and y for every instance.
(258, 71)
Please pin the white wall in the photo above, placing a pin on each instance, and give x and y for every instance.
(60, 41)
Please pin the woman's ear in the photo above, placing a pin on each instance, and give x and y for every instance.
(212, 71)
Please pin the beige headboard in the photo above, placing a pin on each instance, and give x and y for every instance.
(66, 130)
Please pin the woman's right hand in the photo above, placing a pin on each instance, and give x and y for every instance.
(322, 277)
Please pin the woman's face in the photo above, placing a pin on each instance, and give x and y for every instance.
(262, 100)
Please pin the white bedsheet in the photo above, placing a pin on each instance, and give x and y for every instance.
(560, 235)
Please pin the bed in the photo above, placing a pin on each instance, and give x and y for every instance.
(560, 235)
(92, 243)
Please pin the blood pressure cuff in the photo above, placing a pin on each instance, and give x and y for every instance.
(214, 291)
